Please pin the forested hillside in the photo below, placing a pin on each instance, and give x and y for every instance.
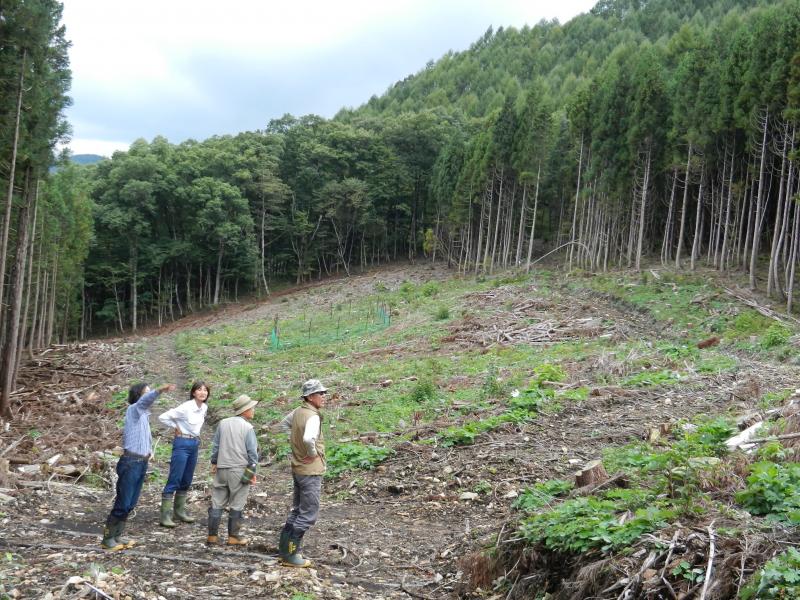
(661, 130)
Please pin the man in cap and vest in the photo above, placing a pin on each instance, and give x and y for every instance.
(304, 425)
(234, 457)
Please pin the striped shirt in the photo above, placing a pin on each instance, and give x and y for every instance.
(136, 436)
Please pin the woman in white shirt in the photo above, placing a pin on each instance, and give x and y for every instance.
(186, 420)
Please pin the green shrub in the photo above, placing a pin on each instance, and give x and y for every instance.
(590, 523)
(773, 452)
(442, 313)
(650, 378)
(749, 322)
(708, 439)
(776, 335)
(633, 457)
(541, 494)
(423, 391)
(465, 434)
(548, 372)
(407, 290)
(778, 578)
(430, 289)
(772, 490)
(493, 386)
(352, 455)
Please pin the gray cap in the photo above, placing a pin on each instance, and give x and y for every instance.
(243, 403)
(312, 386)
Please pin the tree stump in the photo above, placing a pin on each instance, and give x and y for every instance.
(592, 474)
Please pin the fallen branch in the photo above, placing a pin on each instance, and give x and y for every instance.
(671, 550)
(636, 579)
(12, 446)
(238, 566)
(672, 593)
(411, 593)
(767, 312)
(710, 559)
(97, 591)
(775, 438)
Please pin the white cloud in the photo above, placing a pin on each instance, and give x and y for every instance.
(194, 68)
(101, 147)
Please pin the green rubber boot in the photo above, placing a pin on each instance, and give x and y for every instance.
(166, 512)
(110, 532)
(293, 557)
(124, 540)
(180, 508)
(283, 543)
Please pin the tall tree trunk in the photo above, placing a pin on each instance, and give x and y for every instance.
(684, 208)
(26, 312)
(134, 267)
(793, 259)
(10, 195)
(533, 222)
(218, 281)
(264, 246)
(497, 219)
(781, 215)
(759, 203)
(666, 241)
(723, 262)
(698, 226)
(51, 316)
(521, 230)
(643, 210)
(574, 231)
(42, 323)
(32, 339)
(9, 361)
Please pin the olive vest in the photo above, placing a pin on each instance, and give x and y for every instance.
(299, 420)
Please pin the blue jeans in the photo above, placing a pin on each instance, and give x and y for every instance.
(181, 465)
(130, 477)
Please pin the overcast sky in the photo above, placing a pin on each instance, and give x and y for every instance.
(195, 68)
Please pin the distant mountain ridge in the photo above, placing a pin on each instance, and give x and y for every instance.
(87, 159)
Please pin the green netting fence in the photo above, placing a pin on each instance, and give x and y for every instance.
(337, 325)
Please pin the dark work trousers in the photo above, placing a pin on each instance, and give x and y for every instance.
(305, 502)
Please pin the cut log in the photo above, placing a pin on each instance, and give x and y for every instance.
(592, 474)
(744, 438)
(656, 433)
(748, 419)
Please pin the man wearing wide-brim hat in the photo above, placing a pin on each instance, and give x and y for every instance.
(304, 425)
(234, 457)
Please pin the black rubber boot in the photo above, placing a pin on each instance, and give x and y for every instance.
(180, 508)
(293, 557)
(234, 526)
(110, 532)
(214, 517)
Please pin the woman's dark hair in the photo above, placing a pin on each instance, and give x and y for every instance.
(196, 386)
(136, 392)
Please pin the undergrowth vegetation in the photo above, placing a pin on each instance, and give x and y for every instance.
(395, 374)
